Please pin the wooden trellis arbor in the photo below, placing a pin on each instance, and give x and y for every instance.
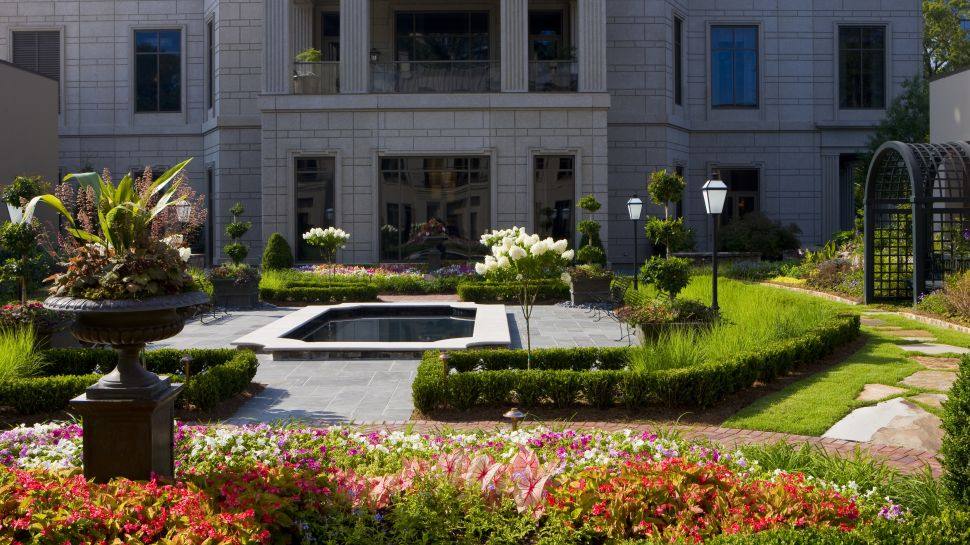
(917, 218)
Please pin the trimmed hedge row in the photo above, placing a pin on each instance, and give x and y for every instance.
(549, 291)
(563, 380)
(955, 449)
(333, 294)
(215, 375)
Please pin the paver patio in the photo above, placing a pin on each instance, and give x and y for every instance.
(365, 391)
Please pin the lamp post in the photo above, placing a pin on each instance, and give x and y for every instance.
(715, 192)
(634, 207)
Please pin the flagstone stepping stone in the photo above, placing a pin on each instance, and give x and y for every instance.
(931, 380)
(938, 364)
(888, 328)
(912, 334)
(931, 400)
(933, 348)
(872, 322)
(875, 392)
(894, 422)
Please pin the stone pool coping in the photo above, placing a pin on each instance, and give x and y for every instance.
(491, 329)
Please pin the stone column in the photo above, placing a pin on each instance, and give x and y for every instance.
(355, 46)
(592, 46)
(515, 46)
(301, 26)
(276, 47)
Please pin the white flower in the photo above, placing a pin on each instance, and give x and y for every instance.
(540, 247)
(481, 268)
(565, 278)
(568, 255)
(174, 241)
(517, 253)
(503, 262)
(185, 254)
(560, 246)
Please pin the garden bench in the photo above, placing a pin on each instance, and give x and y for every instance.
(607, 308)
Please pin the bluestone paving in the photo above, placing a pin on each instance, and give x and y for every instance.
(367, 391)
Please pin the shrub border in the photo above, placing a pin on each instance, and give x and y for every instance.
(548, 291)
(562, 377)
(224, 373)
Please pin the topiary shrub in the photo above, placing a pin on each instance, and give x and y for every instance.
(278, 254)
(590, 230)
(665, 188)
(955, 449)
(670, 276)
(237, 251)
(755, 232)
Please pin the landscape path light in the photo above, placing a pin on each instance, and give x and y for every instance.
(634, 208)
(715, 193)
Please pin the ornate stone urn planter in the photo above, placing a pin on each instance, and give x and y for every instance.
(128, 415)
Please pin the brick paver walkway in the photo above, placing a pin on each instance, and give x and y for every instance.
(907, 460)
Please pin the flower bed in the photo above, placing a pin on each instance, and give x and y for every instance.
(272, 484)
(469, 379)
(214, 376)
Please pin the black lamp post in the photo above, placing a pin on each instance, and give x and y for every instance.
(634, 207)
(715, 192)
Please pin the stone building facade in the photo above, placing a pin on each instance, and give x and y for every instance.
(498, 112)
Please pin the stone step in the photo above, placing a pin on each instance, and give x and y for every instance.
(895, 422)
(940, 381)
(876, 392)
(931, 400)
(934, 348)
(938, 364)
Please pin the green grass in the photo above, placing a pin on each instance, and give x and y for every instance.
(754, 316)
(18, 354)
(397, 284)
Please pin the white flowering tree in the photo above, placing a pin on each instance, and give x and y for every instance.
(528, 259)
(328, 241)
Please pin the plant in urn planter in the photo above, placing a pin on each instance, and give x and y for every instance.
(589, 282)
(236, 284)
(126, 289)
(327, 241)
(528, 259)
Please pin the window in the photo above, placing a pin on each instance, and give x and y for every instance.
(734, 66)
(315, 198)
(554, 195)
(678, 61)
(862, 67)
(330, 36)
(742, 197)
(433, 208)
(39, 52)
(210, 34)
(679, 209)
(547, 40)
(442, 36)
(208, 233)
(158, 70)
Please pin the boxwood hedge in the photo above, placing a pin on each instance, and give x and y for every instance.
(549, 291)
(599, 377)
(214, 376)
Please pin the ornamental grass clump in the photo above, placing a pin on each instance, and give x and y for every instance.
(19, 357)
(119, 256)
(528, 260)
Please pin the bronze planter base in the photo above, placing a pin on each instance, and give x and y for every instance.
(128, 438)
(592, 290)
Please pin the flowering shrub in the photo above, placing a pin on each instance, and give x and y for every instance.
(33, 313)
(255, 483)
(328, 241)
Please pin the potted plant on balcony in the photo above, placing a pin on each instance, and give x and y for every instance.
(306, 82)
(20, 191)
(126, 289)
(236, 284)
(589, 282)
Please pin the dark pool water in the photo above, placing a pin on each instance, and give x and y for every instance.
(387, 324)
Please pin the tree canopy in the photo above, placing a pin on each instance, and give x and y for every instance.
(945, 42)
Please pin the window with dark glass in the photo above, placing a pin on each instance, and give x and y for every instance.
(734, 66)
(678, 61)
(433, 209)
(679, 209)
(743, 192)
(330, 36)
(547, 36)
(158, 70)
(210, 62)
(555, 195)
(442, 36)
(315, 198)
(862, 67)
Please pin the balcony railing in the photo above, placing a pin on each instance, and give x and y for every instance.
(436, 77)
(553, 76)
(316, 78)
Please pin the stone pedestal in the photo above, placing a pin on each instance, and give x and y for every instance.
(129, 438)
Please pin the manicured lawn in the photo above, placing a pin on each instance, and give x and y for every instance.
(754, 316)
(813, 405)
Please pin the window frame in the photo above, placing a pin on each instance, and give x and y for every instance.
(717, 173)
(573, 211)
(293, 175)
(490, 33)
(210, 61)
(133, 57)
(678, 29)
(759, 41)
(62, 87)
(885, 66)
